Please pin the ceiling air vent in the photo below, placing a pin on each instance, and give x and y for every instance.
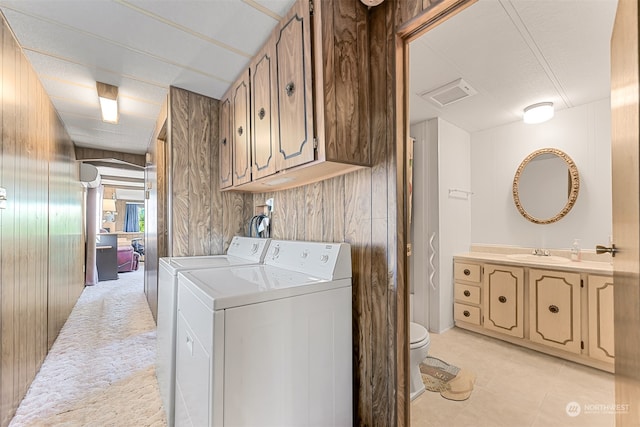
(449, 93)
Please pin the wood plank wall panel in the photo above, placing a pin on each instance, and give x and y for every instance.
(216, 206)
(8, 387)
(41, 209)
(200, 142)
(179, 142)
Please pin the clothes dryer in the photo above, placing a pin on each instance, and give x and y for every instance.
(268, 344)
(242, 251)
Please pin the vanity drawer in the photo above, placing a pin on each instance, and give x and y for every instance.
(466, 313)
(467, 293)
(466, 272)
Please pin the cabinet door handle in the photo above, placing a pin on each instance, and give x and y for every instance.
(224, 141)
(467, 293)
(466, 313)
(290, 88)
(261, 113)
(554, 309)
(467, 272)
(502, 299)
(240, 131)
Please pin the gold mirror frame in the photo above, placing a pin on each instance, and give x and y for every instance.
(574, 185)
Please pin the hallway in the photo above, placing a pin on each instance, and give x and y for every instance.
(100, 371)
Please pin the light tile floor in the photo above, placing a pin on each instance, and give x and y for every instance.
(515, 387)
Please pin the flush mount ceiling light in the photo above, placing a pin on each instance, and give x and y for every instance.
(371, 3)
(108, 96)
(538, 113)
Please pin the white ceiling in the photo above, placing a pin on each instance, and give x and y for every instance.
(141, 46)
(514, 53)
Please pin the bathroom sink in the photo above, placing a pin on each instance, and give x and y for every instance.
(551, 259)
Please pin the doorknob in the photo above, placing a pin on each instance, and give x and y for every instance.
(600, 249)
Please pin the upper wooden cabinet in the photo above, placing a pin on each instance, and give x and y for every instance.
(264, 115)
(309, 99)
(240, 130)
(294, 91)
(225, 144)
(234, 138)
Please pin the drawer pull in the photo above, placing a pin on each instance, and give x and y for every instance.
(466, 313)
(224, 141)
(467, 272)
(240, 131)
(467, 293)
(502, 299)
(261, 113)
(554, 309)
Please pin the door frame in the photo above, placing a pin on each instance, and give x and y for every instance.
(405, 34)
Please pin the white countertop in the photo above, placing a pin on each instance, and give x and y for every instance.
(594, 267)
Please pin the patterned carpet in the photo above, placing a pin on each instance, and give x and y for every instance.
(100, 371)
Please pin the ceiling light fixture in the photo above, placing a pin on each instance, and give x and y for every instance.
(108, 96)
(371, 3)
(538, 113)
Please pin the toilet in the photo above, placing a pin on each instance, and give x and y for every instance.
(418, 350)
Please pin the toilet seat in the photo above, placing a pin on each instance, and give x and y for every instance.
(418, 335)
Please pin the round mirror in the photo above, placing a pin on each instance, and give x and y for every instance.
(545, 186)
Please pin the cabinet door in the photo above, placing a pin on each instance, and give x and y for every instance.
(240, 129)
(263, 106)
(225, 148)
(554, 302)
(601, 344)
(504, 299)
(293, 88)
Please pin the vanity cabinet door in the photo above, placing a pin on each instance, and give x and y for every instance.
(504, 299)
(264, 121)
(225, 144)
(554, 303)
(600, 294)
(240, 129)
(294, 88)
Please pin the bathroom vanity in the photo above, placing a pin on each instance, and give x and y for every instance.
(546, 303)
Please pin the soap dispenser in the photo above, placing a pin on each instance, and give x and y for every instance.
(575, 250)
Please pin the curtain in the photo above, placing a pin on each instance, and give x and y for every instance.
(131, 218)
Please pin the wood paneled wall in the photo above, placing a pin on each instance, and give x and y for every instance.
(41, 253)
(202, 220)
(184, 179)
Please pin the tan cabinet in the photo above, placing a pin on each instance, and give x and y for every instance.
(225, 144)
(294, 91)
(554, 309)
(467, 292)
(240, 130)
(309, 100)
(264, 117)
(504, 299)
(600, 295)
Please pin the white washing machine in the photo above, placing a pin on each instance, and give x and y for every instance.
(242, 251)
(267, 345)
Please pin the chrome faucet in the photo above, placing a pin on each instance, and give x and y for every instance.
(541, 252)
